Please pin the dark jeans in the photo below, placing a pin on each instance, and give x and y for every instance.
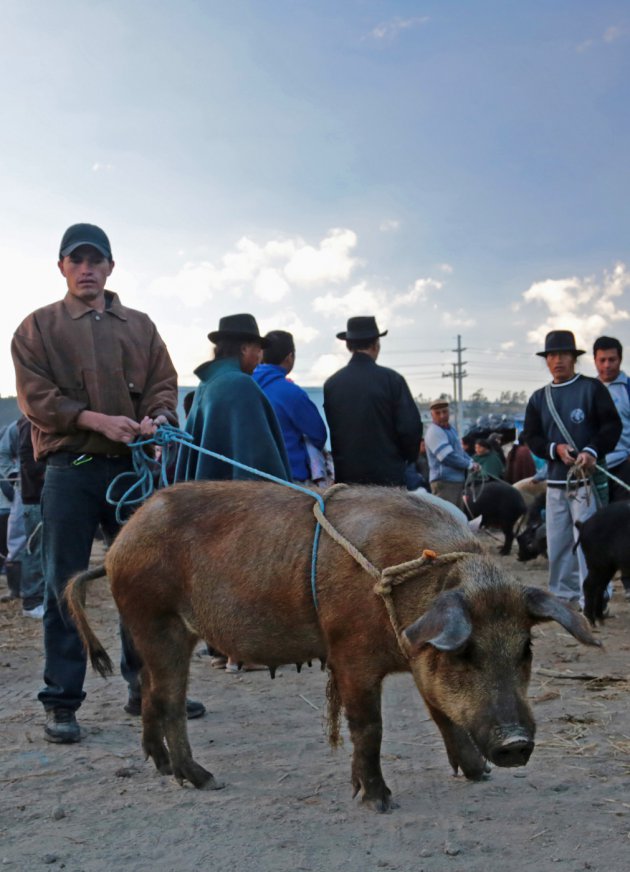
(73, 505)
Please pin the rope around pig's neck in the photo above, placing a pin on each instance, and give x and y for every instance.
(390, 576)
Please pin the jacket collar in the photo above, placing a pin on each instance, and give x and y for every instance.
(77, 308)
(212, 368)
(358, 357)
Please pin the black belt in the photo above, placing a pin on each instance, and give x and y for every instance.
(74, 456)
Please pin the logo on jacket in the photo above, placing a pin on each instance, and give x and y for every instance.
(577, 416)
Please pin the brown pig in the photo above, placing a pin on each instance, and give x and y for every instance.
(229, 562)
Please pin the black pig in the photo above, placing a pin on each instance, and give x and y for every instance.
(500, 505)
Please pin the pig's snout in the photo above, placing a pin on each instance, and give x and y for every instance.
(512, 750)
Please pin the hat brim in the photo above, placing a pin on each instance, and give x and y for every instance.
(345, 336)
(241, 337)
(576, 351)
(70, 248)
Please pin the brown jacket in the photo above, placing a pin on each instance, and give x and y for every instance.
(69, 357)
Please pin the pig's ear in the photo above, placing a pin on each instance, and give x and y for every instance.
(543, 606)
(446, 625)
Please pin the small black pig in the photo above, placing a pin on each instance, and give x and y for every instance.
(605, 541)
(500, 505)
(532, 540)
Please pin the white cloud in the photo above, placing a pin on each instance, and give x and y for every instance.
(269, 270)
(584, 46)
(359, 299)
(506, 346)
(458, 319)
(325, 365)
(270, 285)
(418, 293)
(583, 305)
(445, 268)
(363, 299)
(612, 33)
(192, 286)
(330, 262)
(290, 321)
(102, 167)
(389, 30)
(389, 225)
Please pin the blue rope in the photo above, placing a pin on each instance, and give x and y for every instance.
(146, 469)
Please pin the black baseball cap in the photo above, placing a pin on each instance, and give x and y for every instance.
(85, 234)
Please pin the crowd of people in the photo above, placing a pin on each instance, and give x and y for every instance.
(93, 375)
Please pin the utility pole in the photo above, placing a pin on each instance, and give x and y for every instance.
(458, 375)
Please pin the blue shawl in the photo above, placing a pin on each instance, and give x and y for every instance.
(231, 415)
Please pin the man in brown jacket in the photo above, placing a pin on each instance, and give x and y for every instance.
(92, 375)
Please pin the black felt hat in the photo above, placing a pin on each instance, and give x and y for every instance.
(238, 327)
(560, 340)
(361, 327)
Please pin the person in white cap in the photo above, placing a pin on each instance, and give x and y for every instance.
(448, 462)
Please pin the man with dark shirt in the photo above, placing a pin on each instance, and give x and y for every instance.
(375, 426)
(590, 420)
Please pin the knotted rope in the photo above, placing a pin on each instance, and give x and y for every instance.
(387, 578)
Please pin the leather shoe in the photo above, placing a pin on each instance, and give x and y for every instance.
(61, 726)
(194, 708)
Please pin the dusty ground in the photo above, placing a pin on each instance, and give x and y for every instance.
(287, 805)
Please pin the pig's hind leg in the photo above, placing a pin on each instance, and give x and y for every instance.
(166, 664)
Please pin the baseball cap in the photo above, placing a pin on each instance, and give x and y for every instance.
(85, 234)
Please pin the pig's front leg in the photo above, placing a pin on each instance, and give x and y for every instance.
(361, 698)
(461, 750)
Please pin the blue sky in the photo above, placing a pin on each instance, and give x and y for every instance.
(451, 167)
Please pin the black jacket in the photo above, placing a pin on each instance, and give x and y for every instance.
(375, 426)
(588, 413)
(31, 471)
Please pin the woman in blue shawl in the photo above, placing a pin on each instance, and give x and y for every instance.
(230, 414)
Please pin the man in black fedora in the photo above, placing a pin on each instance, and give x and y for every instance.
(375, 426)
(571, 422)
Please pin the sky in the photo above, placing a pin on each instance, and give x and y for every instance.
(453, 167)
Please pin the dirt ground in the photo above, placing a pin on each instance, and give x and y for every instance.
(287, 803)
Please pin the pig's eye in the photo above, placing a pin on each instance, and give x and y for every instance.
(468, 653)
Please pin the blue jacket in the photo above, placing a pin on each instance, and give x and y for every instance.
(231, 416)
(297, 414)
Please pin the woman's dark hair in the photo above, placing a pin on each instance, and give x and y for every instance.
(229, 347)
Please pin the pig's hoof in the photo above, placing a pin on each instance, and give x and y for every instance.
(160, 757)
(379, 800)
(380, 804)
(197, 776)
(478, 773)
